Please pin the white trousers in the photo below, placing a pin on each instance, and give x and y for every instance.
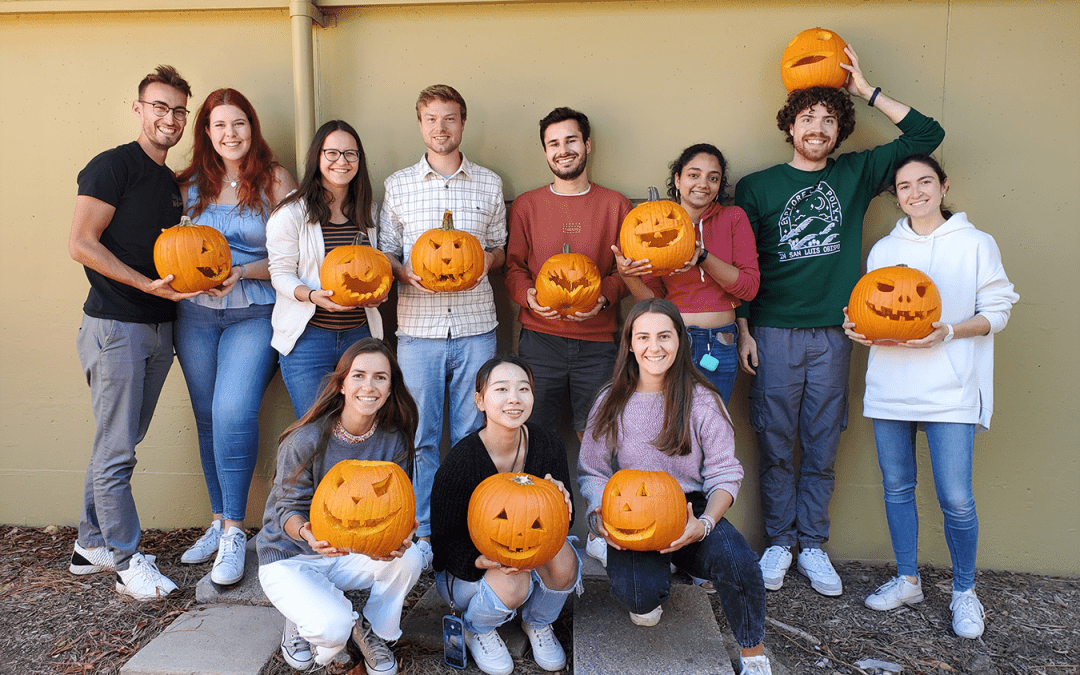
(309, 590)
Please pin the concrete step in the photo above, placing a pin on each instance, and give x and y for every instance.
(422, 626)
(212, 640)
(248, 591)
(687, 641)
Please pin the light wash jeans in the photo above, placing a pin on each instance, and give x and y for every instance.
(800, 390)
(705, 341)
(483, 611)
(312, 359)
(952, 448)
(430, 368)
(227, 362)
(309, 590)
(125, 365)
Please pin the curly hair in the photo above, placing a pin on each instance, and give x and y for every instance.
(207, 170)
(676, 169)
(836, 101)
(561, 115)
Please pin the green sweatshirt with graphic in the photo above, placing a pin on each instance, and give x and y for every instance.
(808, 226)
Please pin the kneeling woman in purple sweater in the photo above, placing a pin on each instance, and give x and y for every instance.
(660, 414)
(488, 594)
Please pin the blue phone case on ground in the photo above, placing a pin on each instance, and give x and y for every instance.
(454, 642)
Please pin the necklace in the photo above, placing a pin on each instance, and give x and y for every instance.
(345, 436)
(232, 183)
(521, 436)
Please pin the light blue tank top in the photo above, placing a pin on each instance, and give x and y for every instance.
(246, 233)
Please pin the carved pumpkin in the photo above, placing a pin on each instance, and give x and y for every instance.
(568, 283)
(812, 59)
(357, 275)
(659, 230)
(518, 520)
(197, 255)
(894, 304)
(446, 259)
(364, 506)
(643, 510)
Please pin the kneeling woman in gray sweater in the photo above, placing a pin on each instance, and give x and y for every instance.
(364, 412)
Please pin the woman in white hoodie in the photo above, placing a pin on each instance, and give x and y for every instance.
(942, 383)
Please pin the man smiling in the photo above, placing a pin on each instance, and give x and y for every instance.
(807, 218)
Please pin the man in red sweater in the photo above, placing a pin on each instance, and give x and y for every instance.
(575, 352)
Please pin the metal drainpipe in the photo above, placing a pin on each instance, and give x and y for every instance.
(303, 15)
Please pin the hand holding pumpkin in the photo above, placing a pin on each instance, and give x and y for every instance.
(849, 330)
(856, 84)
(162, 288)
(693, 532)
(585, 316)
(628, 267)
(565, 494)
(226, 286)
(322, 299)
(485, 563)
(602, 531)
(540, 310)
(319, 546)
(405, 275)
(937, 335)
(692, 262)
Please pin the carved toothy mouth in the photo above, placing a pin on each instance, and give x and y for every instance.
(210, 272)
(660, 238)
(361, 527)
(514, 553)
(360, 287)
(899, 315)
(629, 533)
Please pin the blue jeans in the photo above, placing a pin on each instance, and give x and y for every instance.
(314, 356)
(952, 448)
(430, 367)
(707, 341)
(483, 611)
(228, 362)
(801, 388)
(641, 580)
(125, 365)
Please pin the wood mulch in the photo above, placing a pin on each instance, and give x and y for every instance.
(56, 623)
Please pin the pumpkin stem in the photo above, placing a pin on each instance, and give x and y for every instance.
(358, 240)
(186, 222)
(566, 248)
(447, 220)
(654, 194)
(520, 479)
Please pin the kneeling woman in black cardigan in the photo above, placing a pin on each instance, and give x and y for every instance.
(487, 593)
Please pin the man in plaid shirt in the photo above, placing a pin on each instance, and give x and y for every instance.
(443, 338)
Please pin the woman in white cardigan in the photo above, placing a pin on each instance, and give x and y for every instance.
(942, 383)
(332, 207)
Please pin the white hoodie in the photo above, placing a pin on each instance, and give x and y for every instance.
(951, 381)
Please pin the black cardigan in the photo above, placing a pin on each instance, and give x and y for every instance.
(463, 468)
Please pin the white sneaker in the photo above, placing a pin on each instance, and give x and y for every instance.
(894, 593)
(489, 652)
(229, 564)
(647, 619)
(596, 547)
(294, 649)
(754, 665)
(142, 579)
(378, 658)
(967, 614)
(814, 564)
(774, 564)
(426, 553)
(547, 652)
(91, 560)
(206, 546)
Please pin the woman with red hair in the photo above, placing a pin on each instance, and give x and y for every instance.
(222, 338)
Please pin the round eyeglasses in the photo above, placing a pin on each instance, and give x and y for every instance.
(180, 113)
(332, 154)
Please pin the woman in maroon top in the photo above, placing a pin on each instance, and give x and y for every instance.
(722, 273)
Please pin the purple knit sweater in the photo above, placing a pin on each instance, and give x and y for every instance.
(710, 465)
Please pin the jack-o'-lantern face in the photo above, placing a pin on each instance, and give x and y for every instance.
(198, 256)
(894, 303)
(364, 506)
(660, 231)
(812, 59)
(568, 283)
(643, 510)
(518, 520)
(357, 275)
(446, 259)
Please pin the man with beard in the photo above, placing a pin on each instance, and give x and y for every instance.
(126, 197)
(807, 218)
(443, 338)
(575, 352)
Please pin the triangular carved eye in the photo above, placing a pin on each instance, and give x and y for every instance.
(205, 249)
(536, 525)
(382, 487)
(626, 507)
(502, 515)
(921, 290)
(642, 492)
(618, 492)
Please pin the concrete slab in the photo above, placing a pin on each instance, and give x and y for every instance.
(422, 626)
(687, 641)
(590, 566)
(247, 592)
(212, 640)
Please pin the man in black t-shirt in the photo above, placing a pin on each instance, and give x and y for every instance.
(126, 197)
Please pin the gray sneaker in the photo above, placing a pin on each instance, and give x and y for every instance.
(378, 659)
(774, 564)
(815, 565)
(229, 564)
(296, 651)
(91, 560)
(894, 593)
(205, 547)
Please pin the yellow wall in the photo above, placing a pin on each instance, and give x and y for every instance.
(653, 77)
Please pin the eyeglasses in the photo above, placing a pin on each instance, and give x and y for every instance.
(332, 154)
(180, 113)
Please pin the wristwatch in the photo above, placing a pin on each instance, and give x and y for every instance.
(950, 334)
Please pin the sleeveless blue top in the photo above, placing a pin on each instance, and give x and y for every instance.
(246, 233)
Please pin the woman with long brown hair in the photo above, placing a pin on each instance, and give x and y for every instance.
(364, 412)
(661, 414)
(222, 338)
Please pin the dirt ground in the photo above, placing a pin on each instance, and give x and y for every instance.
(53, 622)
